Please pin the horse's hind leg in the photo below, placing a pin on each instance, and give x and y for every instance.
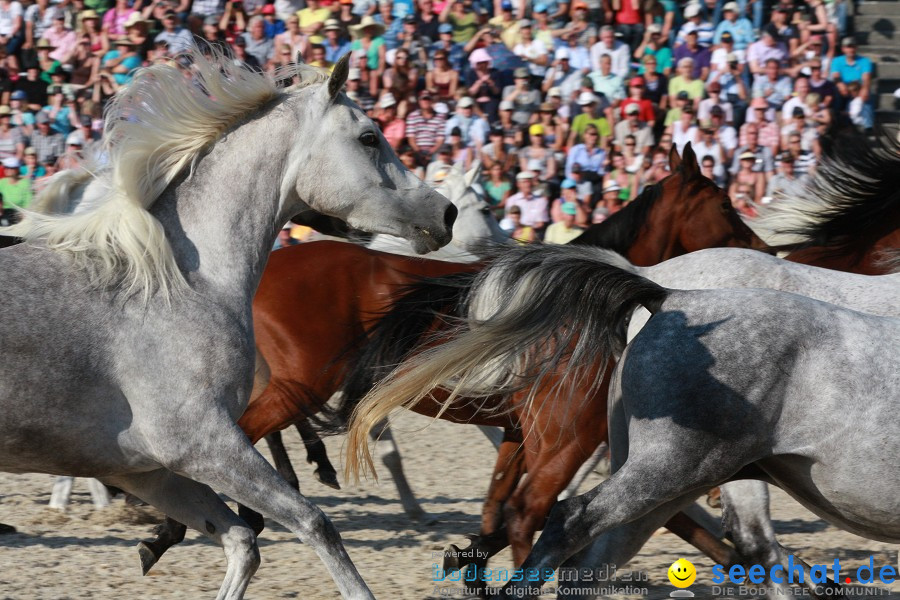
(168, 533)
(282, 460)
(390, 456)
(62, 492)
(316, 453)
(201, 508)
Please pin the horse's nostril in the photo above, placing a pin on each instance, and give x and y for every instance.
(450, 216)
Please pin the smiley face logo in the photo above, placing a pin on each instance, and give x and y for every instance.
(682, 573)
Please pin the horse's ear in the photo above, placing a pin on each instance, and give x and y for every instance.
(689, 165)
(339, 76)
(674, 159)
(473, 174)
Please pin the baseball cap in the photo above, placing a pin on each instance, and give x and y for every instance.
(536, 129)
(562, 54)
(445, 28)
(717, 111)
(632, 109)
(682, 95)
(521, 73)
(727, 37)
(354, 73)
(798, 112)
(568, 184)
(636, 81)
(465, 102)
(42, 117)
(848, 41)
(554, 92)
(11, 163)
(691, 10)
(540, 8)
(19, 95)
(387, 101)
(268, 9)
(585, 98)
(654, 28)
(506, 5)
(524, 23)
(568, 208)
(524, 175)
(441, 108)
(732, 6)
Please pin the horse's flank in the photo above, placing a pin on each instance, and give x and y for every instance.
(156, 127)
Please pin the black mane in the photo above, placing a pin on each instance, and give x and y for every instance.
(619, 231)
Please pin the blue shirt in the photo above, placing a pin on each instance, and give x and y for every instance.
(332, 54)
(132, 62)
(61, 123)
(273, 29)
(455, 55)
(588, 161)
(861, 65)
(741, 30)
(390, 32)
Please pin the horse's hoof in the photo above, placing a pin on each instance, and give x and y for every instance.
(714, 498)
(328, 478)
(6, 529)
(148, 557)
(451, 559)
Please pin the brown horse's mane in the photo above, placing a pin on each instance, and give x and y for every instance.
(618, 232)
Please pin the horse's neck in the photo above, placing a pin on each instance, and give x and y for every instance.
(222, 220)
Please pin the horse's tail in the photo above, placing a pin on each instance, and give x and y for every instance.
(536, 311)
(395, 334)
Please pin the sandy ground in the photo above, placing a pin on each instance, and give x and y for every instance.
(91, 554)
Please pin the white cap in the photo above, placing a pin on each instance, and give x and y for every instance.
(732, 6)
(554, 92)
(524, 175)
(465, 102)
(354, 73)
(387, 101)
(562, 54)
(507, 105)
(691, 10)
(11, 163)
(441, 108)
(76, 137)
(585, 98)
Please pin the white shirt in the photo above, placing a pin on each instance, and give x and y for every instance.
(531, 51)
(620, 54)
(8, 18)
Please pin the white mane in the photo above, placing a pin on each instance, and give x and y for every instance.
(790, 210)
(155, 128)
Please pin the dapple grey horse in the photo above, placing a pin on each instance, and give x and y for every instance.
(131, 355)
(719, 385)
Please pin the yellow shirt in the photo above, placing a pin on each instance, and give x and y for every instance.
(558, 233)
(309, 17)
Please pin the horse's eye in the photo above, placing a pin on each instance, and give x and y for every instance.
(369, 139)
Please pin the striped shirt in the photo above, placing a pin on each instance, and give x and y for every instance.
(424, 131)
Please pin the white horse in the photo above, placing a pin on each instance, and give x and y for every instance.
(131, 355)
(475, 228)
(517, 285)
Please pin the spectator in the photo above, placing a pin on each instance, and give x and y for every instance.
(438, 168)
(772, 86)
(532, 51)
(453, 51)
(415, 46)
(31, 170)
(368, 42)
(705, 30)
(554, 132)
(851, 67)
(800, 99)
(474, 130)
(562, 75)
(825, 89)
(534, 209)
(442, 80)
(799, 125)
(646, 112)
(763, 161)
(61, 39)
(763, 50)
(759, 121)
(617, 51)
(176, 37)
(347, 15)
(482, 83)
(782, 29)
(47, 143)
(408, 158)
(427, 22)
(392, 26)
(700, 56)
(683, 130)
(525, 99)
(257, 44)
(629, 19)
(607, 83)
(569, 195)
(654, 46)
(858, 110)
(12, 142)
(755, 181)
(632, 125)
(400, 80)
(590, 115)
(804, 161)
(15, 191)
(588, 155)
(312, 20)
(685, 82)
(243, 57)
(707, 144)
(113, 20)
(714, 98)
(299, 43)
(460, 14)
(425, 128)
(565, 230)
(725, 133)
(784, 179)
(536, 156)
(520, 233)
(498, 188)
(610, 199)
(739, 27)
(628, 182)
(393, 128)
(273, 26)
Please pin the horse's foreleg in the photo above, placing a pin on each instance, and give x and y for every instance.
(99, 493)
(317, 453)
(583, 472)
(226, 461)
(62, 492)
(168, 533)
(390, 456)
(202, 509)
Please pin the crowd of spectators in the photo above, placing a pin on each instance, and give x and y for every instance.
(572, 106)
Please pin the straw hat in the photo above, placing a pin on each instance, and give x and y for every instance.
(44, 44)
(367, 21)
(135, 19)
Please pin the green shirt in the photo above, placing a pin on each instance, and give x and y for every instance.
(580, 123)
(679, 84)
(15, 195)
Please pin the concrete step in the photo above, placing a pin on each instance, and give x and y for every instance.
(887, 102)
(877, 37)
(882, 8)
(888, 70)
(881, 52)
(886, 86)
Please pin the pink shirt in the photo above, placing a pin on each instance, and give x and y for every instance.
(534, 208)
(114, 21)
(65, 42)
